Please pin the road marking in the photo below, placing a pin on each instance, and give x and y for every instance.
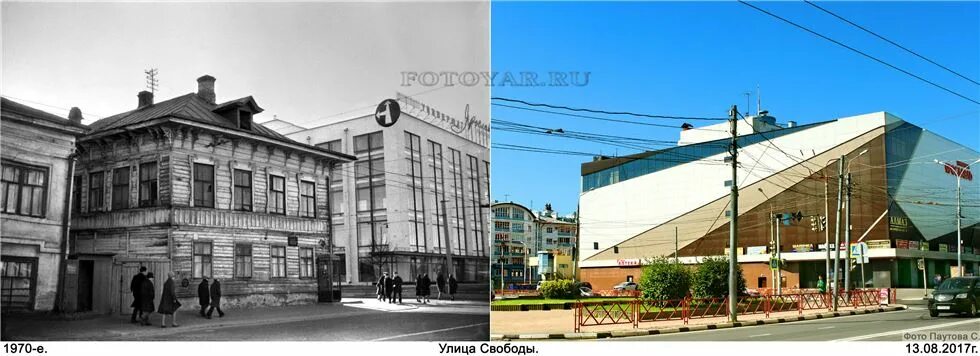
(887, 333)
(760, 335)
(429, 332)
(826, 327)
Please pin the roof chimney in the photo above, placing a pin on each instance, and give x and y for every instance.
(145, 99)
(205, 88)
(75, 115)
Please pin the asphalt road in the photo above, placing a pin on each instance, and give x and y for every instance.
(365, 325)
(887, 326)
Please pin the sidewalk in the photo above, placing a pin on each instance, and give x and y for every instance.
(550, 324)
(118, 327)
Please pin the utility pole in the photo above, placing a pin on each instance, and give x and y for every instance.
(826, 231)
(575, 246)
(779, 259)
(330, 272)
(840, 191)
(847, 236)
(733, 231)
(676, 260)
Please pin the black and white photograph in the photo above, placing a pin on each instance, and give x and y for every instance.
(236, 171)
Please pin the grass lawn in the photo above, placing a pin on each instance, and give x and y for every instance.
(535, 301)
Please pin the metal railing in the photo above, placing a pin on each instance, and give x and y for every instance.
(640, 310)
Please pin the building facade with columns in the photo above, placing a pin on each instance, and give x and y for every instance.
(417, 196)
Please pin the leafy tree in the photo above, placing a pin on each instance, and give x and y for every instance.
(710, 279)
(559, 289)
(664, 279)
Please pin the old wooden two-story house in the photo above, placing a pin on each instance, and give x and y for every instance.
(37, 149)
(196, 187)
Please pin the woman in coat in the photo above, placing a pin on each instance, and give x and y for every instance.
(440, 285)
(426, 285)
(168, 302)
(147, 293)
(204, 295)
(452, 287)
(418, 288)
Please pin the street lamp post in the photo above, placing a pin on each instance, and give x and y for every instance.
(847, 223)
(959, 213)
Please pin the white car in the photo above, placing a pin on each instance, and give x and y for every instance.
(585, 291)
(625, 286)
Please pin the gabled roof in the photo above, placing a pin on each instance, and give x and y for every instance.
(14, 109)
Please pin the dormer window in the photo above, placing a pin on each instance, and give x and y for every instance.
(245, 120)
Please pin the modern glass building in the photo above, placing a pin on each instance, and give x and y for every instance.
(902, 202)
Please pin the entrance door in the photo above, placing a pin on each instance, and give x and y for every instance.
(86, 273)
(323, 280)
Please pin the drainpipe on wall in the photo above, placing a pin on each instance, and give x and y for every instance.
(65, 228)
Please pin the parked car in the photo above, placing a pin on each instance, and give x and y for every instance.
(956, 295)
(625, 286)
(585, 291)
(586, 285)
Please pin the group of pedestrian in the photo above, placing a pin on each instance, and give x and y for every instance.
(144, 293)
(209, 296)
(390, 288)
(423, 285)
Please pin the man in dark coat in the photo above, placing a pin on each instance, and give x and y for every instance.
(426, 285)
(452, 287)
(204, 295)
(168, 302)
(396, 292)
(134, 287)
(147, 294)
(216, 299)
(441, 285)
(389, 288)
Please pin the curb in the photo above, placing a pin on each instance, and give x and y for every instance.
(702, 327)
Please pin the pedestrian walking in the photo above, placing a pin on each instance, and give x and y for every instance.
(453, 285)
(168, 302)
(396, 293)
(389, 288)
(135, 285)
(426, 288)
(216, 299)
(821, 285)
(204, 295)
(418, 288)
(441, 285)
(937, 279)
(146, 296)
(381, 286)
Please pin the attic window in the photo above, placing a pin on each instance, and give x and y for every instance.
(245, 120)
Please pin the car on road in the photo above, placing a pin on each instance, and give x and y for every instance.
(956, 295)
(585, 291)
(625, 286)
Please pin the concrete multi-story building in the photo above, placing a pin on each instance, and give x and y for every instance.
(194, 186)
(417, 196)
(514, 242)
(531, 247)
(38, 151)
(903, 204)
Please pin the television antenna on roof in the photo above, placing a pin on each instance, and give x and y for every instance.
(151, 79)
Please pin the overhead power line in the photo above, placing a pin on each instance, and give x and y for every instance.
(653, 116)
(892, 42)
(598, 118)
(861, 53)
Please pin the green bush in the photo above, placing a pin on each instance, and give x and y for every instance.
(663, 279)
(559, 289)
(710, 279)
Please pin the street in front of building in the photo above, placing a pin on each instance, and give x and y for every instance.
(353, 319)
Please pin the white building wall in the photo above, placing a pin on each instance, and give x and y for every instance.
(614, 213)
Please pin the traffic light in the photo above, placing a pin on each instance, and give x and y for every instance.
(823, 223)
(813, 223)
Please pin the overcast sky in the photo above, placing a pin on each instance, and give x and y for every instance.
(305, 63)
